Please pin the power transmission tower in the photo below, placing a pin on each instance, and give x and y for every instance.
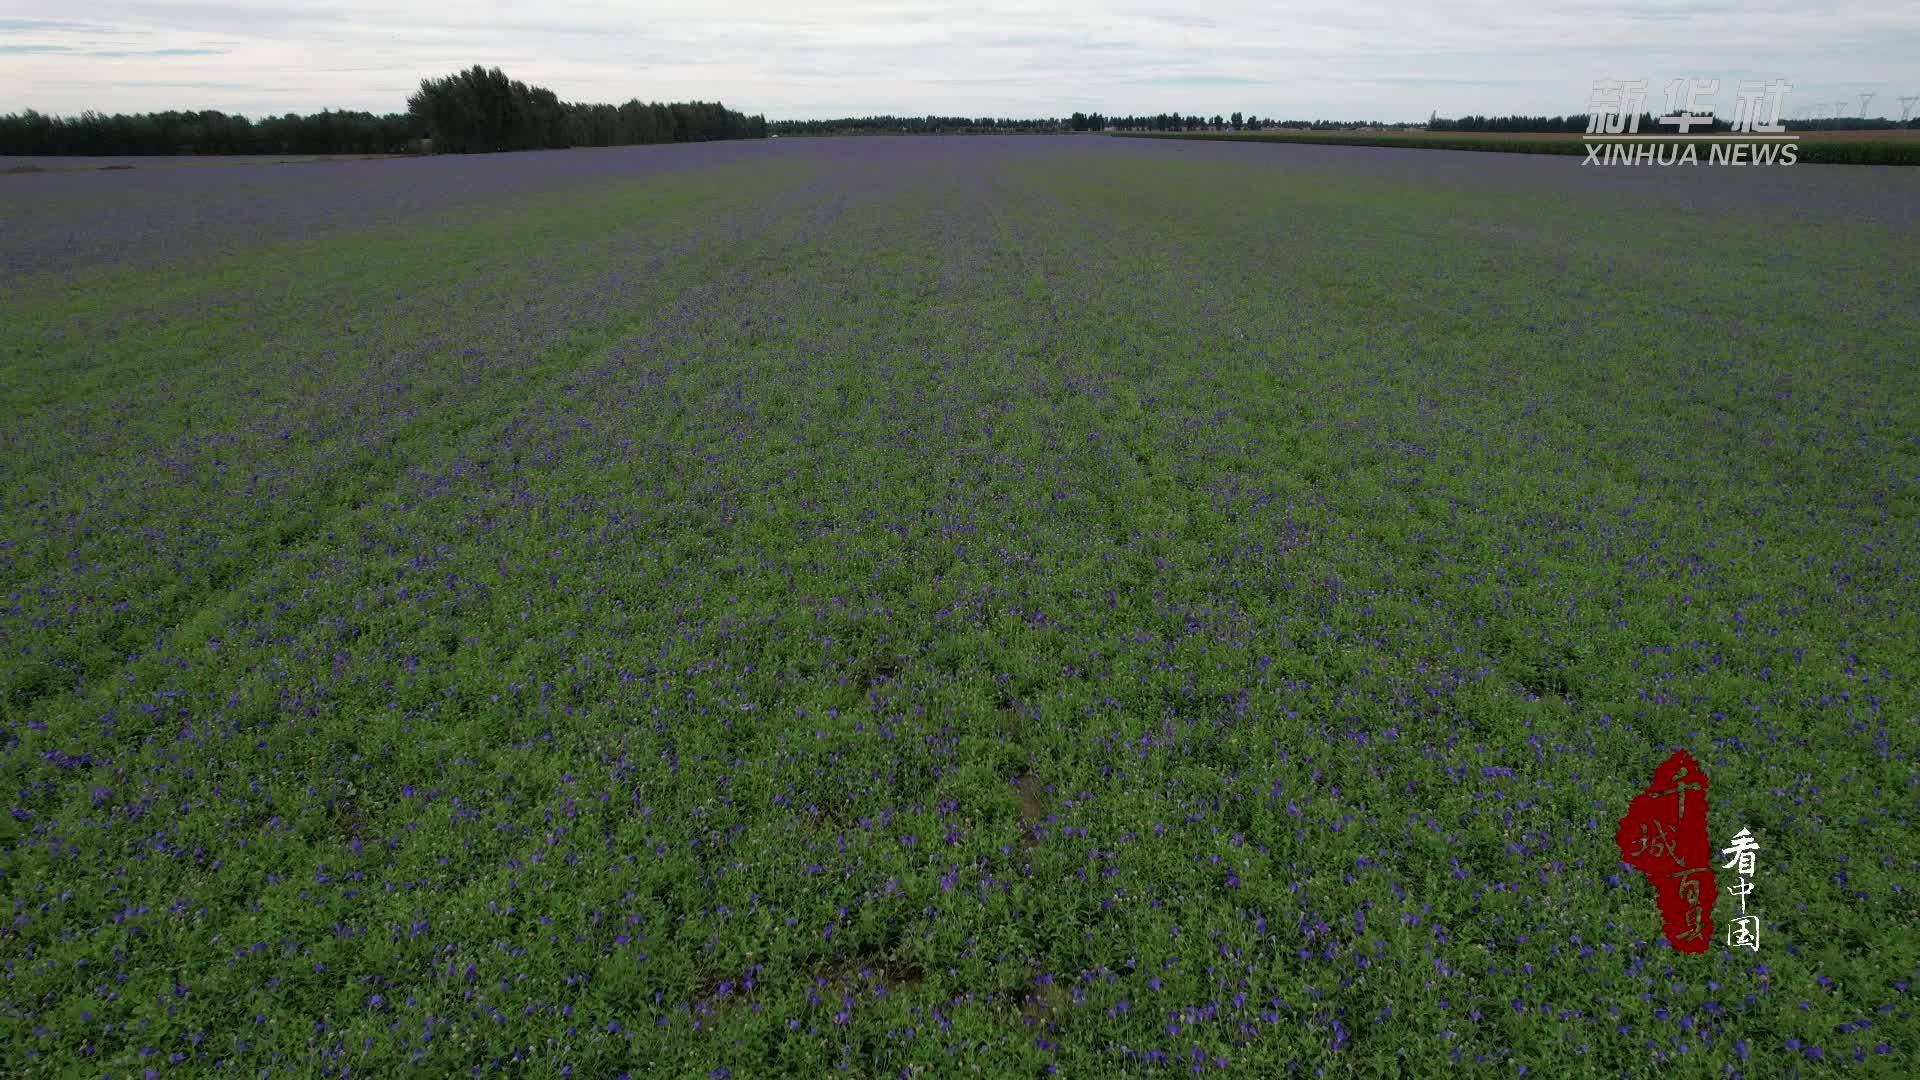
(1864, 98)
(1906, 106)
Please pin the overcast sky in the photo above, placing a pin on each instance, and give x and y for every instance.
(1356, 59)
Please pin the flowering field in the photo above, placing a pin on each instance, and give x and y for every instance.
(930, 607)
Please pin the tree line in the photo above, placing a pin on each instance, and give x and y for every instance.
(472, 111)
(1079, 121)
(1570, 122)
(480, 109)
(911, 125)
(972, 125)
(206, 132)
(1167, 122)
(1851, 123)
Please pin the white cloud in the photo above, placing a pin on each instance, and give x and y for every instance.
(1365, 59)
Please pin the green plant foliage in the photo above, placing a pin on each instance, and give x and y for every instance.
(928, 608)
